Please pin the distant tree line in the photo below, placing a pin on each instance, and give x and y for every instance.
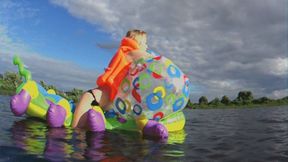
(244, 99)
(9, 81)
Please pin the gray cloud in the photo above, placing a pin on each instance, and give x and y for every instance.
(224, 46)
(108, 46)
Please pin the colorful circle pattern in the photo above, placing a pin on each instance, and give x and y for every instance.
(157, 89)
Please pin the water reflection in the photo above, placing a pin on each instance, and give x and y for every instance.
(34, 137)
(29, 135)
(57, 147)
(59, 144)
(177, 137)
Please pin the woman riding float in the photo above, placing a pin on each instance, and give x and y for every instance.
(136, 86)
(132, 48)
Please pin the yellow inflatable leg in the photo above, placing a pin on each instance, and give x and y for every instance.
(31, 88)
(66, 105)
(37, 106)
(141, 122)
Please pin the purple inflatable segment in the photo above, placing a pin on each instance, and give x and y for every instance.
(154, 129)
(55, 116)
(95, 121)
(19, 103)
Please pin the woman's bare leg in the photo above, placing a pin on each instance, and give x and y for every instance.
(84, 105)
(80, 116)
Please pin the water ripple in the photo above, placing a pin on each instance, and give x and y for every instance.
(210, 135)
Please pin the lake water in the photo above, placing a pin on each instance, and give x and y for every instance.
(259, 134)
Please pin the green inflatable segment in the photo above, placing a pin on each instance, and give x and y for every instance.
(113, 123)
(22, 71)
(20, 87)
(130, 124)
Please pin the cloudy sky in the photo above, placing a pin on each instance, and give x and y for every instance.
(224, 46)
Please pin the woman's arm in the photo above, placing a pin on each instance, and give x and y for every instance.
(137, 54)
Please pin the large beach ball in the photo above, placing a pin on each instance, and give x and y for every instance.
(154, 88)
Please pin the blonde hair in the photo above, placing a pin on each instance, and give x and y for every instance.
(134, 33)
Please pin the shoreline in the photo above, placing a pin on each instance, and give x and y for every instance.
(252, 106)
(201, 107)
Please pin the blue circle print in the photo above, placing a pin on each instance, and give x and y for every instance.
(178, 104)
(119, 107)
(173, 71)
(154, 106)
(137, 109)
